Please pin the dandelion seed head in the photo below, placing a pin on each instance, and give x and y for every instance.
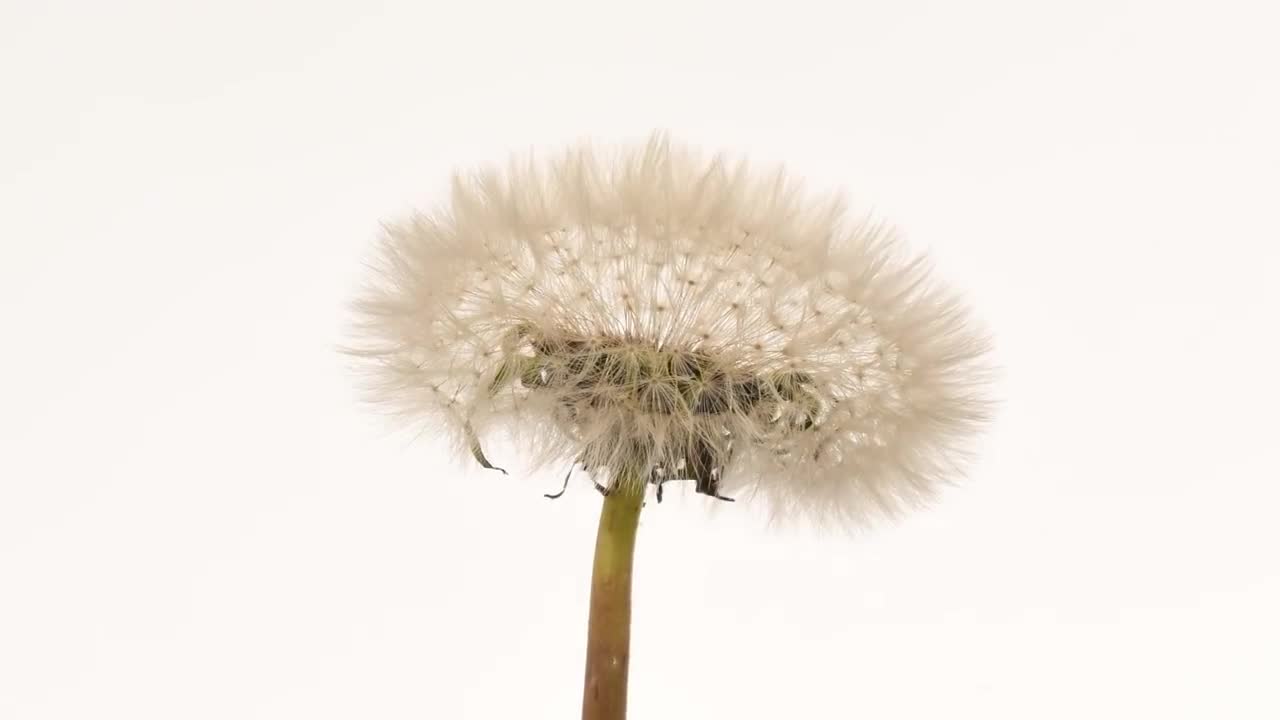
(651, 307)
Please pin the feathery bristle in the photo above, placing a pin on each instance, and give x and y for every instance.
(685, 314)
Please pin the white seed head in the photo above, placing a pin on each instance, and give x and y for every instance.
(681, 316)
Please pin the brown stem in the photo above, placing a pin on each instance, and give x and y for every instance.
(604, 694)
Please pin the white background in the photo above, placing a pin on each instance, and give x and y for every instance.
(198, 520)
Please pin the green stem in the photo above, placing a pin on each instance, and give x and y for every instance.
(604, 694)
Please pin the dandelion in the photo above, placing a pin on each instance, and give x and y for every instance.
(650, 315)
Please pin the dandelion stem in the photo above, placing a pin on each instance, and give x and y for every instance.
(604, 693)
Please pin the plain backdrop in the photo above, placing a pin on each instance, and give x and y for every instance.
(199, 520)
